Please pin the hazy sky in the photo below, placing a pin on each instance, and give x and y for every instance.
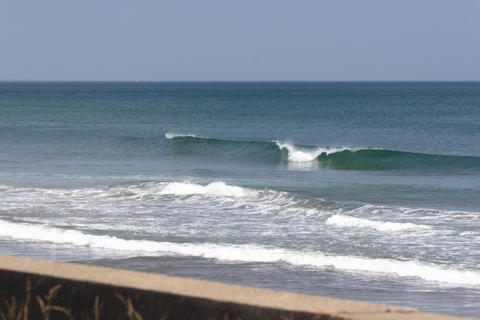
(240, 40)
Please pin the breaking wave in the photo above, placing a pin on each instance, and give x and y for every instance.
(296, 154)
(218, 188)
(242, 253)
(341, 158)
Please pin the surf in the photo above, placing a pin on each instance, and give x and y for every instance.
(343, 220)
(243, 253)
(327, 157)
(218, 188)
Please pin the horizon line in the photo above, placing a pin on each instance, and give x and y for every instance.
(230, 81)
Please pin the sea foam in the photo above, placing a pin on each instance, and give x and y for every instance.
(174, 135)
(218, 188)
(243, 253)
(342, 220)
(295, 154)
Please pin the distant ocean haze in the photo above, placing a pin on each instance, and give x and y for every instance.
(366, 191)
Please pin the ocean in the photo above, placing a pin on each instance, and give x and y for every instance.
(358, 190)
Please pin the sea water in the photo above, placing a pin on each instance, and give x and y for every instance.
(367, 191)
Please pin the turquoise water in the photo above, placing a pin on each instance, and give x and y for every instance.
(366, 191)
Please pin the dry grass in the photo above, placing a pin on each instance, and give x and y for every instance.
(131, 312)
(19, 310)
(13, 309)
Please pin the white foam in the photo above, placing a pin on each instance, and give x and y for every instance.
(148, 197)
(296, 154)
(433, 216)
(174, 135)
(243, 253)
(218, 188)
(342, 220)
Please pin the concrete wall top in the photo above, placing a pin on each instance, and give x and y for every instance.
(218, 292)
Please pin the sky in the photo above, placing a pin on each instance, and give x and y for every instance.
(227, 40)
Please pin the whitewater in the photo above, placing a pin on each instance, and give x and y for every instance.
(242, 253)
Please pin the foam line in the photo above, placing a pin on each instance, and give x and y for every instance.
(174, 135)
(243, 253)
(342, 220)
(218, 188)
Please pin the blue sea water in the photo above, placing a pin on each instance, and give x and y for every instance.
(367, 191)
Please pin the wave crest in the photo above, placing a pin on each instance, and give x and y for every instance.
(170, 136)
(342, 220)
(296, 154)
(218, 188)
(340, 158)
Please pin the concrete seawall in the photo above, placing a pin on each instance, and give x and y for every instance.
(120, 293)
